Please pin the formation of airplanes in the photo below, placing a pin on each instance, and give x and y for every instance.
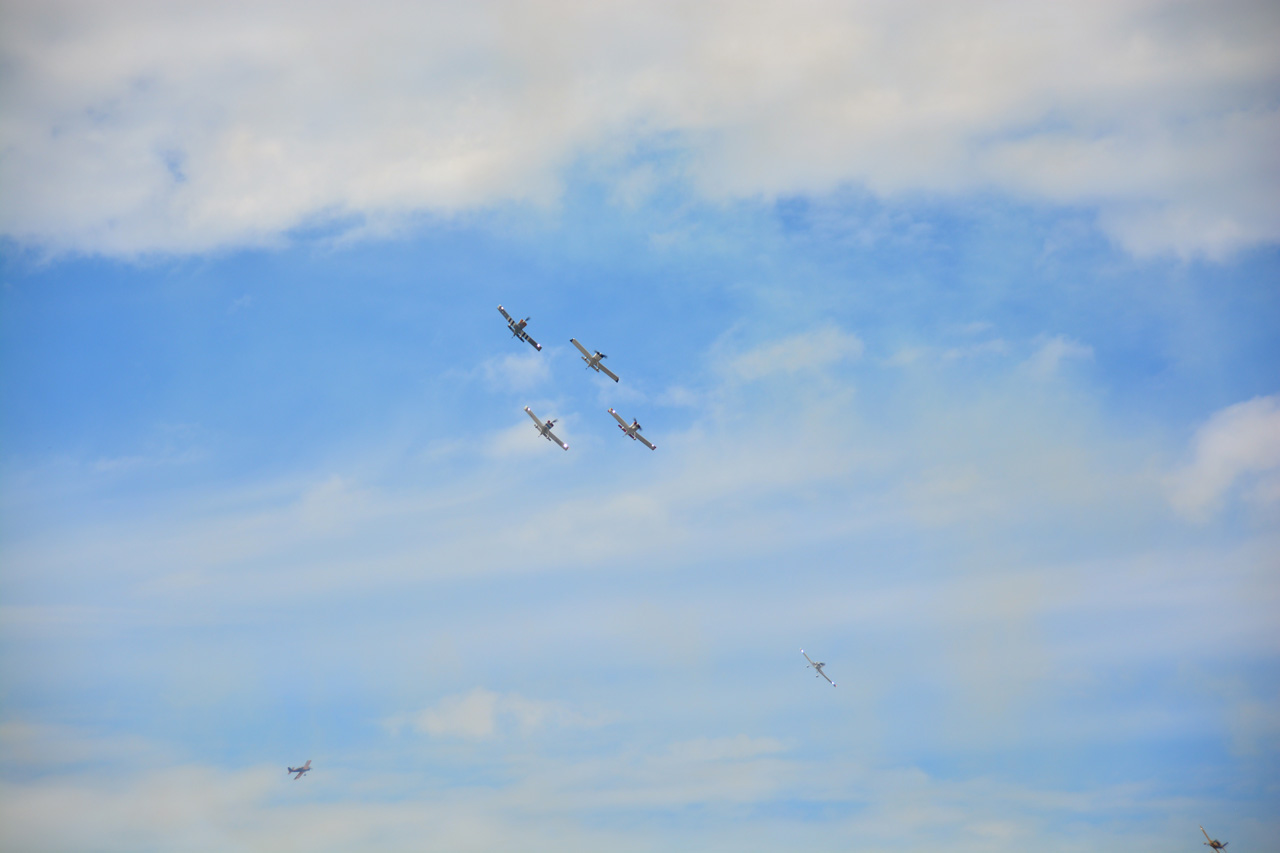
(594, 361)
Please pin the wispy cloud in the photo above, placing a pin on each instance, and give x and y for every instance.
(483, 714)
(1239, 441)
(516, 372)
(574, 805)
(45, 747)
(1053, 352)
(812, 350)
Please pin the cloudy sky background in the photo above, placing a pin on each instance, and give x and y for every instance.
(957, 328)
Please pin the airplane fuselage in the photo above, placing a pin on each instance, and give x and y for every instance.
(544, 429)
(517, 328)
(1212, 843)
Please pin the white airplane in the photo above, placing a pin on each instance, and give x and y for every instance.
(545, 429)
(593, 360)
(633, 430)
(1213, 843)
(517, 329)
(306, 768)
(818, 667)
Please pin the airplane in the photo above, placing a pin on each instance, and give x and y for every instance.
(818, 667)
(593, 361)
(545, 429)
(1213, 843)
(517, 329)
(633, 430)
(306, 768)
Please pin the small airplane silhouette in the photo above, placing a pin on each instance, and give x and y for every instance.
(1213, 843)
(306, 768)
(818, 666)
(594, 360)
(633, 430)
(517, 329)
(545, 429)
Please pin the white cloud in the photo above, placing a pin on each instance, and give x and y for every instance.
(992, 347)
(138, 126)
(1238, 441)
(617, 802)
(1052, 352)
(516, 372)
(43, 746)
(482, 714)
(725, 748)
(473, 716)
(810, 350)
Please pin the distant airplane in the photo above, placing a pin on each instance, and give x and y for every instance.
(818, 667)
(306, 768)
(593, 360)
(545, 429)
(1213, 842)
(517, 329)
(633, 430)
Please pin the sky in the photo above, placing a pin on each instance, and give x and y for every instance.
(956, 326)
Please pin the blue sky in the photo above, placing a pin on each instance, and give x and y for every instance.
(957, 332)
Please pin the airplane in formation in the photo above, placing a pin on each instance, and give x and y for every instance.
(633, 430)
(818, 666)
(1213, 842)
(517, 329)
(545, 429)
(306, 768)
(594, 360)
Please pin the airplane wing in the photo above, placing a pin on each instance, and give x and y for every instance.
(607, 372)
(528, 411)
(580, 347)
(806, 657)
(551, 435)
(646, 442)
(505, 314)
(617, 418)
(827, 677)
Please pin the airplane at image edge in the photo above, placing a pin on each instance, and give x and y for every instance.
(818, 666)
(306, 768)
(517, 329)
(1213, 842)
(633, 430)
(593, 360)
(545, 429)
